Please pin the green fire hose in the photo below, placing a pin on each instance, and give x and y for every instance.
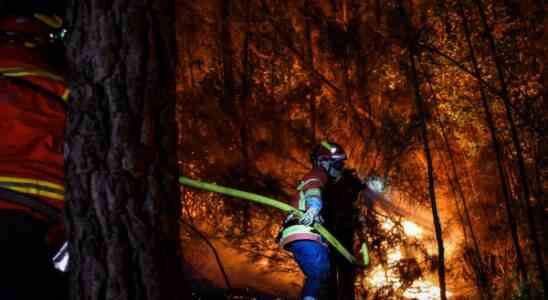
(281, 206)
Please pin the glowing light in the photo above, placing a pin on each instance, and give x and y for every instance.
(381, 277)
(423, 290)
(375, 184)
(394, 256)
(411, 228)
(387, 224)
(419, 290)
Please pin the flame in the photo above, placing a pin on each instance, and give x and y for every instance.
(387, 224)
(423, 290)
(419, 290)
(411, 228)
(381, 277)
(394, 255)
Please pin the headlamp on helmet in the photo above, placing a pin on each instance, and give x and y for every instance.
(329, 156)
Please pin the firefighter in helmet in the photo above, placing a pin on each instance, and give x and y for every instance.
(297, 235)
(33, 98)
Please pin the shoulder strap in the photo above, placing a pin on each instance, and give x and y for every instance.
(305, 182)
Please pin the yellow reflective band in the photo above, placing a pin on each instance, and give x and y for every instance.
(35, 182)
(302, 201)
(52, 21)
(35, 191)
(22, 72)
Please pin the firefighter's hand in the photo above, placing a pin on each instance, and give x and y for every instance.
(309, 216)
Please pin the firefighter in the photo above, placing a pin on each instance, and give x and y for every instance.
(32, 116)
(297, 235)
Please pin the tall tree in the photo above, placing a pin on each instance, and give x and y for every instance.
(123, 202)
(489, 118)
(411, 39)
(419, 102)
(482, 278)
(454, 182)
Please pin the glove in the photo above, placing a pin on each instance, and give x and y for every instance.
(289, 217)
(309, 216)
(61, 259)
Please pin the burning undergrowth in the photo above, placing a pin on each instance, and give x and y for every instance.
(402, 264)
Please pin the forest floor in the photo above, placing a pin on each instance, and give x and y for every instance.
(249, 279)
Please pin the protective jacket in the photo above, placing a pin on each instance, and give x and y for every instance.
(32, 117)
(311, 185)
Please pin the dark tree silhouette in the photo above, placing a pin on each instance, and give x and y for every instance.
(123, 201)
(411, 39)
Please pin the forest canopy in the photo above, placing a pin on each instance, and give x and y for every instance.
(260, 82)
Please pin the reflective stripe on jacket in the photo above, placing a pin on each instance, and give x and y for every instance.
(32, 124)
(311, 185)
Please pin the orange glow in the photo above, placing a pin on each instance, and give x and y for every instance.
(394, 255)
(381, 277)
(411, 229)
(420, 289)
(387, 224)
(423, 290)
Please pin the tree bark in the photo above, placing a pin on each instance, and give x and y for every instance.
(123, 202)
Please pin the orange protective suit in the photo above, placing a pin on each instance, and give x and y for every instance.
(32, 117)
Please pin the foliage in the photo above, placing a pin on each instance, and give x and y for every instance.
(338, 70)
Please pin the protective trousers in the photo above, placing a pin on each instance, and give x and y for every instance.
(313, 259)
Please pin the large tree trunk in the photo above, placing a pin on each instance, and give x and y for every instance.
(123, 201)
